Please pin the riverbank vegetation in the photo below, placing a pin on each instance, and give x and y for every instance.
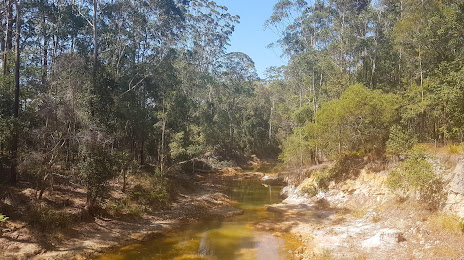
(368, 77)
(125, 97)
(92, 91)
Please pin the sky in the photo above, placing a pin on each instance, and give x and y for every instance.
(250, 37)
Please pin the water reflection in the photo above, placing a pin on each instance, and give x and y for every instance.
(233, 238)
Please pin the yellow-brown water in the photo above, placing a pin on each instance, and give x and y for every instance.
(232, 238)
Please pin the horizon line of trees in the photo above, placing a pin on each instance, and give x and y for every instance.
(367, 77)
(91, 87)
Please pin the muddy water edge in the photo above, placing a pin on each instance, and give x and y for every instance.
(230, 238)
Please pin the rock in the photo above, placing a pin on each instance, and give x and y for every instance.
(276, 209)
(271, 180)
(385, 237)
(457, 184)
(455, 201)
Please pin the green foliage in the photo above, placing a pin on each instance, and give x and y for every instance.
(416, 174)
(400, 141)
(347, 165)
(125, 208)
(411, 51)
(456, 148)
(359, 120)
(296, 149)
(319, 182)
(453, 148)
(303, 114)
(3, 218)
(45, 219)
(96, 169)
(152, 191)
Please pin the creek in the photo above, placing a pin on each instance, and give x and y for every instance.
(230, 238)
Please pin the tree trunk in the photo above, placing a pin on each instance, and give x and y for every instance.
(270, 121)
(95, 43)
(45, 56)
(124, 180)
(8, 35)
(142, 155)
(14, 146)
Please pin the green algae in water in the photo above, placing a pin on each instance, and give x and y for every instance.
(232, 238)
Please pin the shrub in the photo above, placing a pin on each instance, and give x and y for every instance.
(400, 141)
(95, 170)
(46, 219)
(415, 174)
(152, 192)
(318, 183)
(3, 218)
(456, 148)
(124, 207)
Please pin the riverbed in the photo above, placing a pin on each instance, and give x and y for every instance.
(230, 238)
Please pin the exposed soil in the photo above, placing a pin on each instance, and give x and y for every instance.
(361, 219)
(200, 197)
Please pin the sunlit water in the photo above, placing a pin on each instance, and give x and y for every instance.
(232, 238)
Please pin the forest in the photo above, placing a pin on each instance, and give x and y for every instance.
(91, 90)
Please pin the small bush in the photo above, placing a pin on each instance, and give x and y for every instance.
(46, 219)
(124, 208)
(416, 174)
(3, 218)
(454, 148)
(152, 192)
(318, 183)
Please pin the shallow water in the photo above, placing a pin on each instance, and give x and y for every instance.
(232, 238)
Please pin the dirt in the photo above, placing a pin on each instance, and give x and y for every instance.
(361, 219)
(202, 198)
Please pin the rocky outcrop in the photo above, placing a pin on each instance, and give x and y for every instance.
(455, 201)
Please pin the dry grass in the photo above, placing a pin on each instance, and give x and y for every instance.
(445, 223)
(359, 213)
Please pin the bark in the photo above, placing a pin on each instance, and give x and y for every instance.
(270, 120)
(142, 155)
(8, 36)
(95, 43)
(45, 54)
(14, 152)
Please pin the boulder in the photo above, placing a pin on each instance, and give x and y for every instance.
(385, 237)
(457, 183)
(455, 201)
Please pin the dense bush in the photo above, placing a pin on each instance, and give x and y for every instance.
(416, 175)
(96, 168)
(400, 141)
(152, 192)
(359, 121)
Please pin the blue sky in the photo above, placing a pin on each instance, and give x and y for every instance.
(250, 37)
